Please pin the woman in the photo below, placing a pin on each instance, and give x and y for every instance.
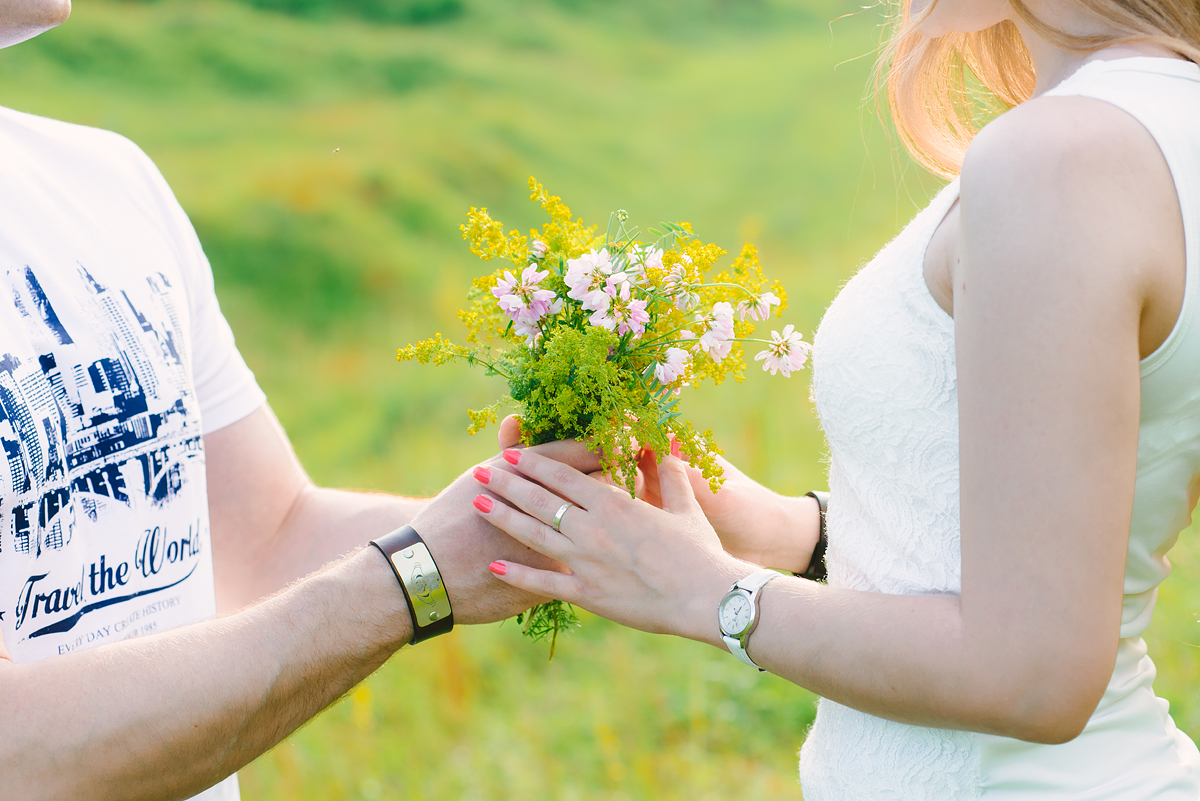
(1012, 402)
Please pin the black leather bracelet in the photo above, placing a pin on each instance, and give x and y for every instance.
(426, 596)
(816, 565)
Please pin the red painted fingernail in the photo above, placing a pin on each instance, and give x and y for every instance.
(483, 503)
(482, 475)
(499, 568)
(675, 448)
(511, 456)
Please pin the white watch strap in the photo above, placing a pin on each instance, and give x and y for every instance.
(735, 647)
(757, 579)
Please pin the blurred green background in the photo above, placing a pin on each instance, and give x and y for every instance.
(327, 152)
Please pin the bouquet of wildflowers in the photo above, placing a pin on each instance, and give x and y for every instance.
(597, 335)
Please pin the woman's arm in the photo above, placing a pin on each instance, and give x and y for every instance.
(1069, 242)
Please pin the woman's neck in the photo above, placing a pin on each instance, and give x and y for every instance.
(1053, 64)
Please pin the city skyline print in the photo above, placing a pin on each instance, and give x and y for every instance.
(100, 432)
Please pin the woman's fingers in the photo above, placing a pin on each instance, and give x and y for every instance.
(545, 583)
(534, 500)
(564, 480)
(675, 486)
(648, 473)
(524, 529)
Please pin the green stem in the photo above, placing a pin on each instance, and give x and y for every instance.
(645, 386)
(659, 343)
(734, 286)
(650, 397)
(473, 359)
(663, 339)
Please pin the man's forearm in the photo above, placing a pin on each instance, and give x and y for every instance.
(321, 525)
(166, 716)
(270, 525)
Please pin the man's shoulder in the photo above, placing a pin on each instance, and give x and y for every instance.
(90, 164)
(69, 141)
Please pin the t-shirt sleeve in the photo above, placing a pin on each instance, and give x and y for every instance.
(225, 387)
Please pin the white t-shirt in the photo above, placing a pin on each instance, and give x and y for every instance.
(114, 361)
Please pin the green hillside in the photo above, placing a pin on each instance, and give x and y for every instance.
(327, 153)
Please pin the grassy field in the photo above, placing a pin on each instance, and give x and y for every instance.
(327, 160)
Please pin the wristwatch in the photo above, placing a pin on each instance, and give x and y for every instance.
(737, 615)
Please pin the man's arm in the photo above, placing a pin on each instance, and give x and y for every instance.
(270, 524)
(165, 716)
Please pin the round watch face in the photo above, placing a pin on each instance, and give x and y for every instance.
(735, 614)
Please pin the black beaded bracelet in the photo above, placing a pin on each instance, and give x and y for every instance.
(816, 565)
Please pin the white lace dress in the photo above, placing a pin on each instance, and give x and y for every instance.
(884, 382)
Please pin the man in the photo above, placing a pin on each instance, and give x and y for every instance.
(146, 487)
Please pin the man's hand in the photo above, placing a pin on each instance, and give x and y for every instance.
(272, 526)
(509, 436)
(464, 544)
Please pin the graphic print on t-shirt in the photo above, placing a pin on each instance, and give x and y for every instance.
(102, 477)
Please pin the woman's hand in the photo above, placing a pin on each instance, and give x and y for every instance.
(753, 522)
(658, 570)
(463, 547)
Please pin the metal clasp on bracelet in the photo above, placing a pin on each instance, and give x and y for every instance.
(423, 583)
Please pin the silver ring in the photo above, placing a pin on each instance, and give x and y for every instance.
(558, 516)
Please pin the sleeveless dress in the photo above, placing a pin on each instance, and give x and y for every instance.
(884, 384)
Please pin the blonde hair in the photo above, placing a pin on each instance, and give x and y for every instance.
(940, 91)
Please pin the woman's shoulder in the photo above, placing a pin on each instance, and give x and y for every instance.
(1049, 138)
(1078, 190)
(1074, 159)
(1107, 121)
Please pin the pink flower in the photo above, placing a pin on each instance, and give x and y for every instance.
(537, 249)
(617, 310)
(642, 257)
(718, 350)
(652, 257)
(586, 276)
(667, 371)
(787, 352)
(759, 308)
(716, 341)
(522, 297)
(530, 327)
